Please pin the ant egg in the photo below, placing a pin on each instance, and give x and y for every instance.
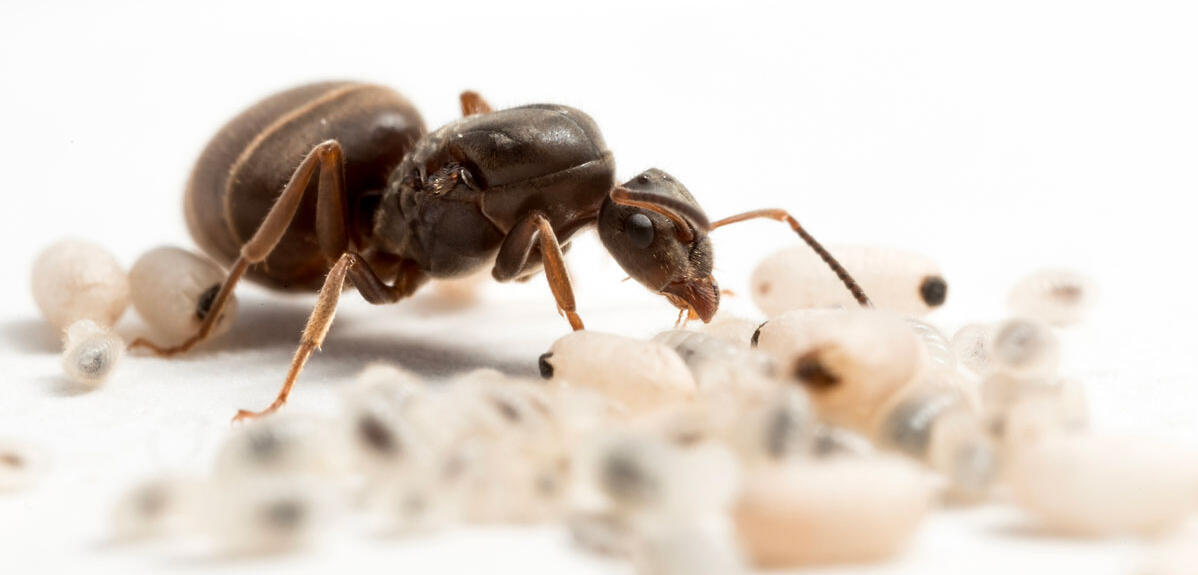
(155, 508)
(939, 351)
(1024, 347)
(829, 511)
(849, 361)
(90, 352)
(173, 289)
(1097, 485)
(75, 280)
(288, 444)
(263, 515)
(971, 345)
(899, 281)
(717, 364)
(1056, 296)
(642, 375)
(20, 465)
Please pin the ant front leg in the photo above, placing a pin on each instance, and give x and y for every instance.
(513, 256)
(784, 216)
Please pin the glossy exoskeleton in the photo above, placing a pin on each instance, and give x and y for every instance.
(376, 199)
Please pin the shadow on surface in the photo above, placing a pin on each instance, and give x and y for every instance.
(30, 336)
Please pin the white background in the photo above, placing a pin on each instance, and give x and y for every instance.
(996, 138)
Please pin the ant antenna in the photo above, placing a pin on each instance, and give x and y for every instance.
(783, 216)
(687, 218)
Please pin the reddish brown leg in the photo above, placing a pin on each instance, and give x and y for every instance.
(473, 104)
(314, 333)
(783, 216)
(513, 255)
(330, 233)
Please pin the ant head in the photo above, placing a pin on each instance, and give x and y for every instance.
(656, 231)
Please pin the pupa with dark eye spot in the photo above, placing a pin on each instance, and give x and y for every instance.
(899, 281)
(849, 361)
(173, 289)
(642, 375)
(263, 514)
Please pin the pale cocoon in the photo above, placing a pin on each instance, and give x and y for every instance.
(75, 280)
(171, 289)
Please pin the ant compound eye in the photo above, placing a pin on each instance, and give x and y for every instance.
(639, 229)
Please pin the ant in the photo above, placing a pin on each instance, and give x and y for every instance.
(378, 200)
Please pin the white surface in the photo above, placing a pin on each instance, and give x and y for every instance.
(996, 139)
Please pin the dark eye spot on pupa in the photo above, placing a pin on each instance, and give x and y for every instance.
(933, 290)
(813, 373)
(204, 305)
(376, 435)
(544, 365)
(285, 514)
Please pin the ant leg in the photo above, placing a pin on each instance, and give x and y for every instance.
(330, 232)
(373, 289)
(783, 216)
(513, 255)
(472, 104)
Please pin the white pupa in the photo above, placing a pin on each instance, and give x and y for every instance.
(938, 427)
(157, 507)
(1058, 297)
(173, 290)
(849, 361)
(835, 510)
(1101, 485)
(717, 364)
(75, 280)
(90, 352)
(1024, 348)
(738, 330)
(642, 375)
(263, 514)
(895, 280)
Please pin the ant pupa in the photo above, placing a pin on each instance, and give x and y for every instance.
(971, 346)
(718, 364)
(895, 280)
(938, 427)
(1024, 348)
(174, 289)
(640, 374)
(845, 509)
(154, 508)
(90, 352)
(291, 445)
(254, 515)
(1105, 485)
(75, 280)
(849, 361)
(1055, 296)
